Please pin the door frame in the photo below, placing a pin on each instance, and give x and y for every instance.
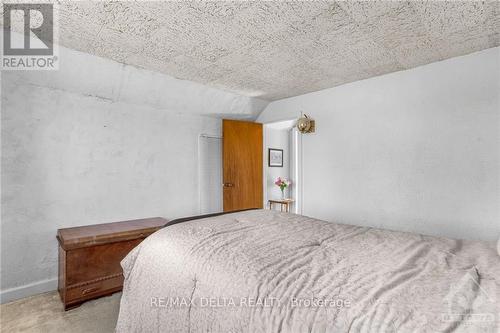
(299, 203)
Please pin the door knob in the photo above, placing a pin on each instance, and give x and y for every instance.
(228, 185)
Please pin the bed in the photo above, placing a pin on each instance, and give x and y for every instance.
(266, 271)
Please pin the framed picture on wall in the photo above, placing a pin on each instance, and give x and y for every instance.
(275, 157)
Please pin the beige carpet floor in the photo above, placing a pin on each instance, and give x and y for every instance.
(44, 313)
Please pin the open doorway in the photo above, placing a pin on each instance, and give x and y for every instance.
(281, 139)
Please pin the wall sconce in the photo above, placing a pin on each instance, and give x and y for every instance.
(306, 125)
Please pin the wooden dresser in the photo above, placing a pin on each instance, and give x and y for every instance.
(89, 257)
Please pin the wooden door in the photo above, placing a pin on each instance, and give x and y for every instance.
(242, 165)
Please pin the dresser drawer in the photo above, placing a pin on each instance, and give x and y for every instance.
(77, 293)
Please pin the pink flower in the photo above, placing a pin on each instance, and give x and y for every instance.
(282, 183)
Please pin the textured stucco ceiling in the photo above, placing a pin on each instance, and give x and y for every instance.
(277, 49)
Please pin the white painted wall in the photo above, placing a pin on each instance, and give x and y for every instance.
(94, 142)
(277, 139)
(416, 150)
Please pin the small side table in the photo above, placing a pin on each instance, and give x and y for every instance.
(284, 203)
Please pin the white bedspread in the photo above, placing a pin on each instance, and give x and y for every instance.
(265, 271)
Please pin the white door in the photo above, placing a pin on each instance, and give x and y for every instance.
(210, 174)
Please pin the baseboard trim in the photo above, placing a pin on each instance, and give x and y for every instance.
(27, 290)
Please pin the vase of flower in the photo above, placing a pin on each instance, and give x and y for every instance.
(282, 183)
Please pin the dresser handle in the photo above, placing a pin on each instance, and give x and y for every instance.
(89, 290)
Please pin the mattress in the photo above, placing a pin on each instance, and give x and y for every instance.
(266, 271)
